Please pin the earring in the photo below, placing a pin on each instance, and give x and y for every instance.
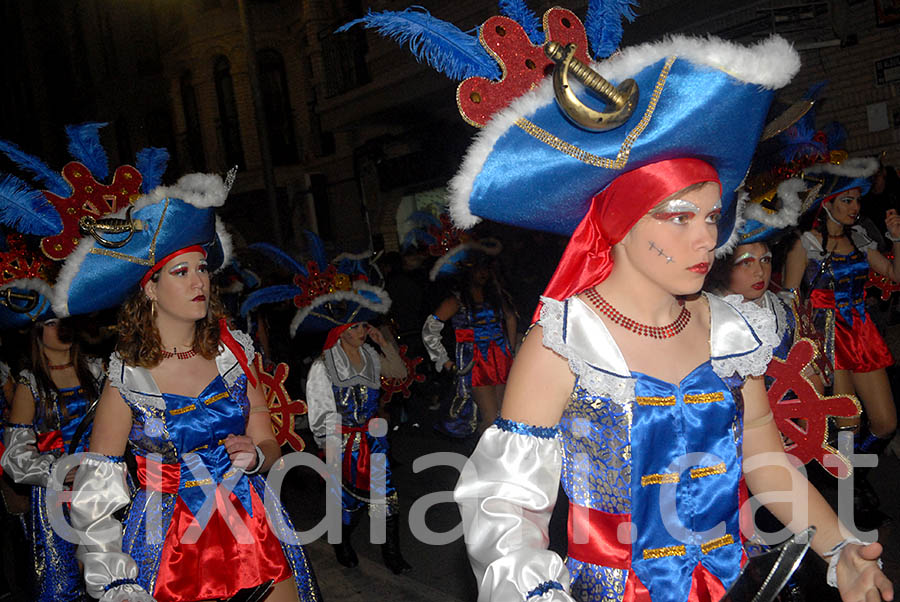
(153, 308)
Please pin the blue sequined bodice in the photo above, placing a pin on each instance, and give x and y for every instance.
(847, 276)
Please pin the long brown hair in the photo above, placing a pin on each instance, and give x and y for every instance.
(139, 343)
(47, 391)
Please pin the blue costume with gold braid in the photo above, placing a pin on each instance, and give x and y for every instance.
(57, 576)
(629, 448)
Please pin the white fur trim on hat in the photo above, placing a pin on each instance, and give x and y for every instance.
(860, 167)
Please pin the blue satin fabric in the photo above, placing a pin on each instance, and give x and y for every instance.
(661, 436)
(850, 274)
(702, 112)
(169, 225)
(488, 327)
(76, 405)
(197, 426)
(787, 338)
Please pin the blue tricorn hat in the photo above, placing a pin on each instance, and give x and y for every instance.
(699, 98)
(41, 201)
(532, 166)
(105, 270)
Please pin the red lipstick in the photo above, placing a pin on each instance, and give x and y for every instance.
(199, 298)
(700, 268)
(758, 286)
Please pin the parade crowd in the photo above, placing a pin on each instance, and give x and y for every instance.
(702, 310)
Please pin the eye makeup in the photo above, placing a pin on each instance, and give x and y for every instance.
(675, 207)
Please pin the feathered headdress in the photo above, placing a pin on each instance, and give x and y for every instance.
(59, 207)
(326, 293)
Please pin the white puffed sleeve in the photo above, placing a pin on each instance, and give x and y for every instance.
(506, 494)
(322, 412)
(100, 489)
(431, 336)
(21, 459)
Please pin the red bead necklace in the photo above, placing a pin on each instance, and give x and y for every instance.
(182, 355)
(656, 332)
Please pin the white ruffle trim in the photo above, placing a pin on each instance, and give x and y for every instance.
(128, 394)
(619, 389)
(754, 363)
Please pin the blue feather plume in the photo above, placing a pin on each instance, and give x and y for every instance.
(455, 53)
(603, 24)
(27, 210)
(151, 162)
(518, 11)
(270, 294)
(85, 147)
(316, 249)
(50, 179)
(279, 257)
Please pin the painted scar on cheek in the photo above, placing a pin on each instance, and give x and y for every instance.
(660, 252)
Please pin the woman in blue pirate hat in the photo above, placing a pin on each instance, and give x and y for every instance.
(343, 389)
(182, 397)
(643, 398)
(831, 262)
(52, 406)
(483, 324)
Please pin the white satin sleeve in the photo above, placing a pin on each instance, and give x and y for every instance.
(100, 489)
(322, 411)
(22, 460)
(506, 494)
(431, 336)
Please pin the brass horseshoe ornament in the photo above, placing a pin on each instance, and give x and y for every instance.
(110, 225)
(9, 299)
(620, 102)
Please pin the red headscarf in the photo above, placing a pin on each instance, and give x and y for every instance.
(587, 259)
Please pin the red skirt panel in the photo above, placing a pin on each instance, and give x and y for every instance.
(216, 565)
(493, 369)
(860, 348)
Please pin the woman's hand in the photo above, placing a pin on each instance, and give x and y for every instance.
(892, 221)
(376, 336)
(241, 451)
(858, 576)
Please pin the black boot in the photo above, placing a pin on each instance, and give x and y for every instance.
(390, 551)
(344, 551)
(866, 503)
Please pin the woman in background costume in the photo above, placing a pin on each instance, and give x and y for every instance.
(832, 262)
(484, 327)
(644, 404)
(182, 396)
(343, 388)
(58, 390)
